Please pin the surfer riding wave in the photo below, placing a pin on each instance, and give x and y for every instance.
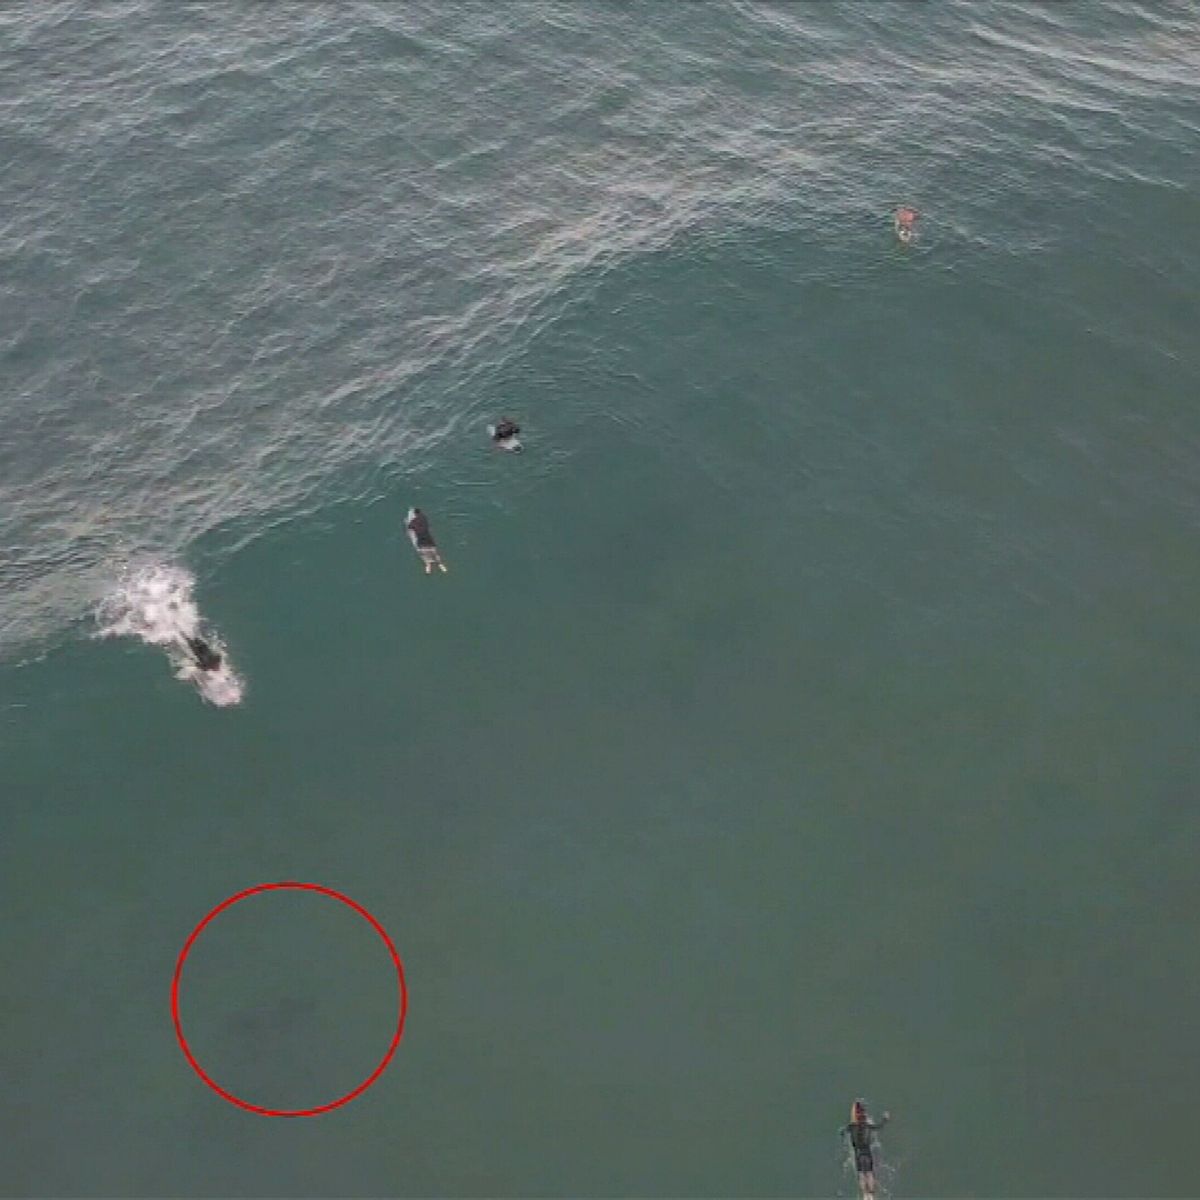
(156, 604)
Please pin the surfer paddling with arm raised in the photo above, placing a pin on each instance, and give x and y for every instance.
(859, 1131)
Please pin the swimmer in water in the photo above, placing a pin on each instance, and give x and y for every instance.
(207, 659)
(905, 223)
(422, 539)
(505, 434)
(859, 1132)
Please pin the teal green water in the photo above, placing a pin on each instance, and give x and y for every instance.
(808, 713)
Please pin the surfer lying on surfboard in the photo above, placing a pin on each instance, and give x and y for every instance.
(859, 1132)
(422, 540)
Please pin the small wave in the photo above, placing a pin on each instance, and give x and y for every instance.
(155, 604)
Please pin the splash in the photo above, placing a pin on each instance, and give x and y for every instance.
(155, 604)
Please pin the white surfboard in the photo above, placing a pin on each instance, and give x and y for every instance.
(220, 687)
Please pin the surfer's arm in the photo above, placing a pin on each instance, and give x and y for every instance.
(881, 1122)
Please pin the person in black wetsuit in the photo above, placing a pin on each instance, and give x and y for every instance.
(422, 539)
(859, 1132)
(418, 526)
(207, 659)
(505, 434)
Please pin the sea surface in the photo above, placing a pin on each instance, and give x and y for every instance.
(809, 712)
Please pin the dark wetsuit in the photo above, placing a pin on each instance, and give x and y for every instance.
(419, 528)
(860, 1141)
(506, 430)
(206, 657)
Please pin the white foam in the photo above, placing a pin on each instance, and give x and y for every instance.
(154, 604)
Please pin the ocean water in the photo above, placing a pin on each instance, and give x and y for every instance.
(807, 713)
